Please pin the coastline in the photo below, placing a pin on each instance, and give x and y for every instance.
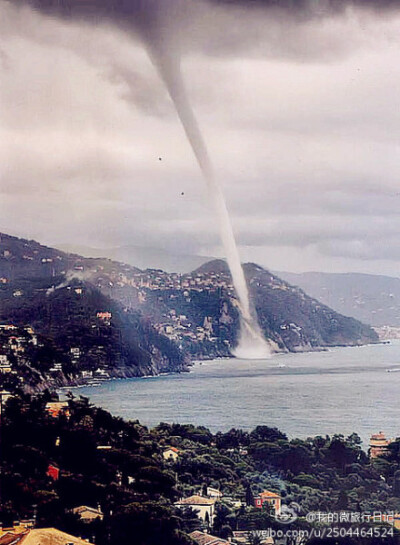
(126, 373)
(305, 394)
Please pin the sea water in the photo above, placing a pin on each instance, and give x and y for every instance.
(341, 391)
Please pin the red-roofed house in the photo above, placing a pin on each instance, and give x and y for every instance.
(171, 453)
(55, 408)
(269, 499)
(53, 472)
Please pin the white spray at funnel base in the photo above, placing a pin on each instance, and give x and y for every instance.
(251, 344)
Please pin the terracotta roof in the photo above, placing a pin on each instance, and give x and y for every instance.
(244, 537)
(42, 536)
(174, 449)
(206, 539)
(268, 494)
(379, 435)
(11, 537)
(195, 500)
(83, 508)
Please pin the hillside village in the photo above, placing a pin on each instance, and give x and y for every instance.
(135, 323)
(72, 473)
(80, 474)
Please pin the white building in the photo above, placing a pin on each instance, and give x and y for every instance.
(214, 493)
(171, 453)
(204, 507)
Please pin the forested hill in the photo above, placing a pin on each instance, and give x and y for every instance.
(98, 314)
(292, 318)
(53, 464)
(78, 328)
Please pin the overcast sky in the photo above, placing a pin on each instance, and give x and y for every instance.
(301, 116)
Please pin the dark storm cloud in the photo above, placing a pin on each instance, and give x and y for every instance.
(300, 112)
(135, 7)
(139, 90)
(214, 26)
(313, 6)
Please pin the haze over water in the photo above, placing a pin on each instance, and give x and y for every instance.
(344, 390)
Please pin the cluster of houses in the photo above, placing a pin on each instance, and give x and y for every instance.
(14, 342)
(174, 325)
(154, 279)
(205, 508)
(178, 327)
(204, 505)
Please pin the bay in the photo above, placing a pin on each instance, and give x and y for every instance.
(342, 390)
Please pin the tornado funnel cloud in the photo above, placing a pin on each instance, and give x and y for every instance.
(251, 344)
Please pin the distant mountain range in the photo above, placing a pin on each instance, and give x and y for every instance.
(372, 299)
(96, 314)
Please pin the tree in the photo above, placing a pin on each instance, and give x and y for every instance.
(254, 538)
(249, 496)
(147, 523)
(264, 433)
(342, 503)
(189, 521)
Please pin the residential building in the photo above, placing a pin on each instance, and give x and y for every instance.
(105, 317)
(268, 499)
(75, 353)
(244, 538)
(214, 493)
(8, 327)
(55, 408)
(201, 538)
(204, 507)
(88, 514)
(237, 503)
(378, 445)
(171, 453)
(53, 472)
(17, 528)
(4, 369)
(5, 396)
(39, 536)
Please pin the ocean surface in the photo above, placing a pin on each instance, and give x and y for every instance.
(339, 391)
